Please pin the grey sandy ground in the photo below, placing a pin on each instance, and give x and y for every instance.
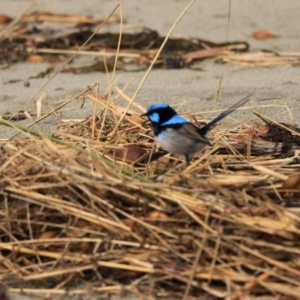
(205, 19)
(196, 89)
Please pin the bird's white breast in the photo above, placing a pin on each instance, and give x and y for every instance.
(177, 143)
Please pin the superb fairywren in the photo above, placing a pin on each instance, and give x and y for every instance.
(176, 134)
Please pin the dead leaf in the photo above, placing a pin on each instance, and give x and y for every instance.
(245, 136)
(4, 19)
(100, 192)
(252, 133)
(35, 58)
(81, 229)
(241, 138)
(9, 147)
(157, 216)
(130, 153)
(292, 183)
(83, 246)
(263, 35)
(47, 235)
(261, 130)
(132, 224)
(162, 162)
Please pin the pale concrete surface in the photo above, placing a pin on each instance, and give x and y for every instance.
(205, 19)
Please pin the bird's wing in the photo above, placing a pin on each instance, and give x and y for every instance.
(189, 130)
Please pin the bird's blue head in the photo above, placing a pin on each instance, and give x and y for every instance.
(161, 114)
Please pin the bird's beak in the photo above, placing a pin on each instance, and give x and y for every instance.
(145, 121)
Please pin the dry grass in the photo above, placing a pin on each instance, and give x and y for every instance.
(89, 207)
(261, 59)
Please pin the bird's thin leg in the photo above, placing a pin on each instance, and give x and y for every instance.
(187, 159)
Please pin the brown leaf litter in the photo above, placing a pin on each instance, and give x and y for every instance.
(89, 207)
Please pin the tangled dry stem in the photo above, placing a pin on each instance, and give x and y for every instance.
(90, 209)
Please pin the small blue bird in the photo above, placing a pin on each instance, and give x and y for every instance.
(179, 136)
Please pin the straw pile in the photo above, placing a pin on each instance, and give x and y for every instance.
(95, 208)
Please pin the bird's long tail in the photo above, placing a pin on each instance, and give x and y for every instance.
(204, 130)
